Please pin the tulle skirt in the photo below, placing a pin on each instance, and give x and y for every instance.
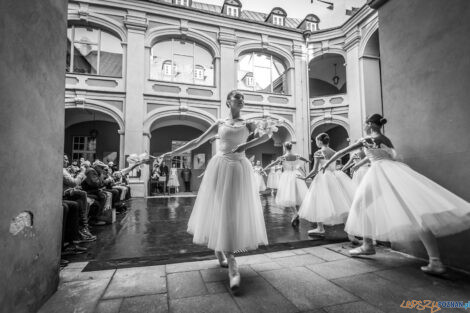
(173, 181)
(259, 182)
(291, 191)
(227, 214)
(272, 180)
(328, 199)
(393, 203)
(359, 174)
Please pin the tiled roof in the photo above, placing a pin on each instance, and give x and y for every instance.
(245, 14)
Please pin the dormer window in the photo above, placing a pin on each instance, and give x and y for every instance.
(232, 11)
(199, 72)
(167, 69)
(278, 20)
(182, 2)
(250, 81)
(312, 26)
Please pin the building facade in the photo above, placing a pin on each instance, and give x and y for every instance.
(148, 76)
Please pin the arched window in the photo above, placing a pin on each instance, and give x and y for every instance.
(182, 61)
(262, 72)
(93, 51)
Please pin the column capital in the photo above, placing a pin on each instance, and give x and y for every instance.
(352, 40)
(227, 38)
(121, 132)
(299, 51)
(147, 134)
(136, 22)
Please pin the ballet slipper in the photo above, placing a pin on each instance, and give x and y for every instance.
(362, 251)
(316, 231)
(295, 221)
(222, 259)
(434, 267)
(233, 273)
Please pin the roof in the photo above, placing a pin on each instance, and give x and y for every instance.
(245, 14)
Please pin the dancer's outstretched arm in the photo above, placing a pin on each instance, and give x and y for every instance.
(193, 144)
(316, 164)
(340, 153)
(272, 164)
(304, 159)
(252, 143)
(128, 169)
(348, 164)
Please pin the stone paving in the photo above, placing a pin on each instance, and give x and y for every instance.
(316, 280)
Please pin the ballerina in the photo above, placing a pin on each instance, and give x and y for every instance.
(291, 191)
(272, 182)
(173, 179)
(259, 180)
(393, 202)
(227, 215)
(331, 193)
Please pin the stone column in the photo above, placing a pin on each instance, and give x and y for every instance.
(136, 24)
(122, 158)
(301, 99)
(353, 81)
(227, 71)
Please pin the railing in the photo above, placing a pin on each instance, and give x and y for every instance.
(329, 101)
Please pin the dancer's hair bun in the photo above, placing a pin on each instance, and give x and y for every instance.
(323, 138)
(377, 119)
(288, 145)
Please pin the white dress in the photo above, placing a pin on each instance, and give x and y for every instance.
(272, 179)
(259, 180)
(278, 174)
(329, 197)
(393, 202)
(227, 214)
(359, 174)
(173, 179)
(291, 190)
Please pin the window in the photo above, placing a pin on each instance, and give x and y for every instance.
(93, 51)
(278, 20)
(83, 147)
(182, 61)
(312, 26)
(181, 159)
(233, 11)
(182, 2)
(261, 72)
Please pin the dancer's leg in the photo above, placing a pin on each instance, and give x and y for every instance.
(435, 265)
(222, 259)
(295, 220)
(320, 229)
(233, 272)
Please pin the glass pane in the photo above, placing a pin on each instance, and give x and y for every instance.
(111, 55)
(161, 53)
(86, 50)
(205, 62)
(262, 79)
(184, 69)
(279, 77)
(262, 60)
(245, 70)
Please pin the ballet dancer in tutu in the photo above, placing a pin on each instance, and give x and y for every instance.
(173, 179)
(272, 182)
(259, 172)
(227, 215)
(291, 191)
(331, 193)
(393, 202)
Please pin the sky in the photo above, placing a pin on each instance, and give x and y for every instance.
(300, 8)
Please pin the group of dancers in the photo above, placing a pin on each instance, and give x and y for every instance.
(391, 202)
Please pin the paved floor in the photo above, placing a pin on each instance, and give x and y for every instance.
(157, 227)
(316, 280)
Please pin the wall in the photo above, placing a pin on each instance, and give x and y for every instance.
(106, 141)
(424, 50)
(32, 59)
(264, 148)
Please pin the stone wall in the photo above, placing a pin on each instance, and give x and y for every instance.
(32, 62)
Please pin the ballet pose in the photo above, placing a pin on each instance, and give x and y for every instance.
(173, 180)
(227, 215)
(359, 165)
(259, 172)
(273, 181)
(393, 202)
(291, 191)
(331, 193)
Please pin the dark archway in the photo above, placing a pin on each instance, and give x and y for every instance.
(339, 138)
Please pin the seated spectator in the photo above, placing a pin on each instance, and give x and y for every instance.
(70, 234)
(72, 191)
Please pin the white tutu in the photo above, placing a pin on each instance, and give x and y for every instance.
(328, 199)
(359, 174)
(259, 181)
(291, 190)
(393, 202)
(272, 182)
(173, 181)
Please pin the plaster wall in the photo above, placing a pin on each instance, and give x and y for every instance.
(32, 60)
(424, 50)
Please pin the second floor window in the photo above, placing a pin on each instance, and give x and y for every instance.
(182, 61)
(93, 51)
(278, 20)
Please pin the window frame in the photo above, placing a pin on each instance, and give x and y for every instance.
(98, 57)
(278, 20)
(83, 152)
